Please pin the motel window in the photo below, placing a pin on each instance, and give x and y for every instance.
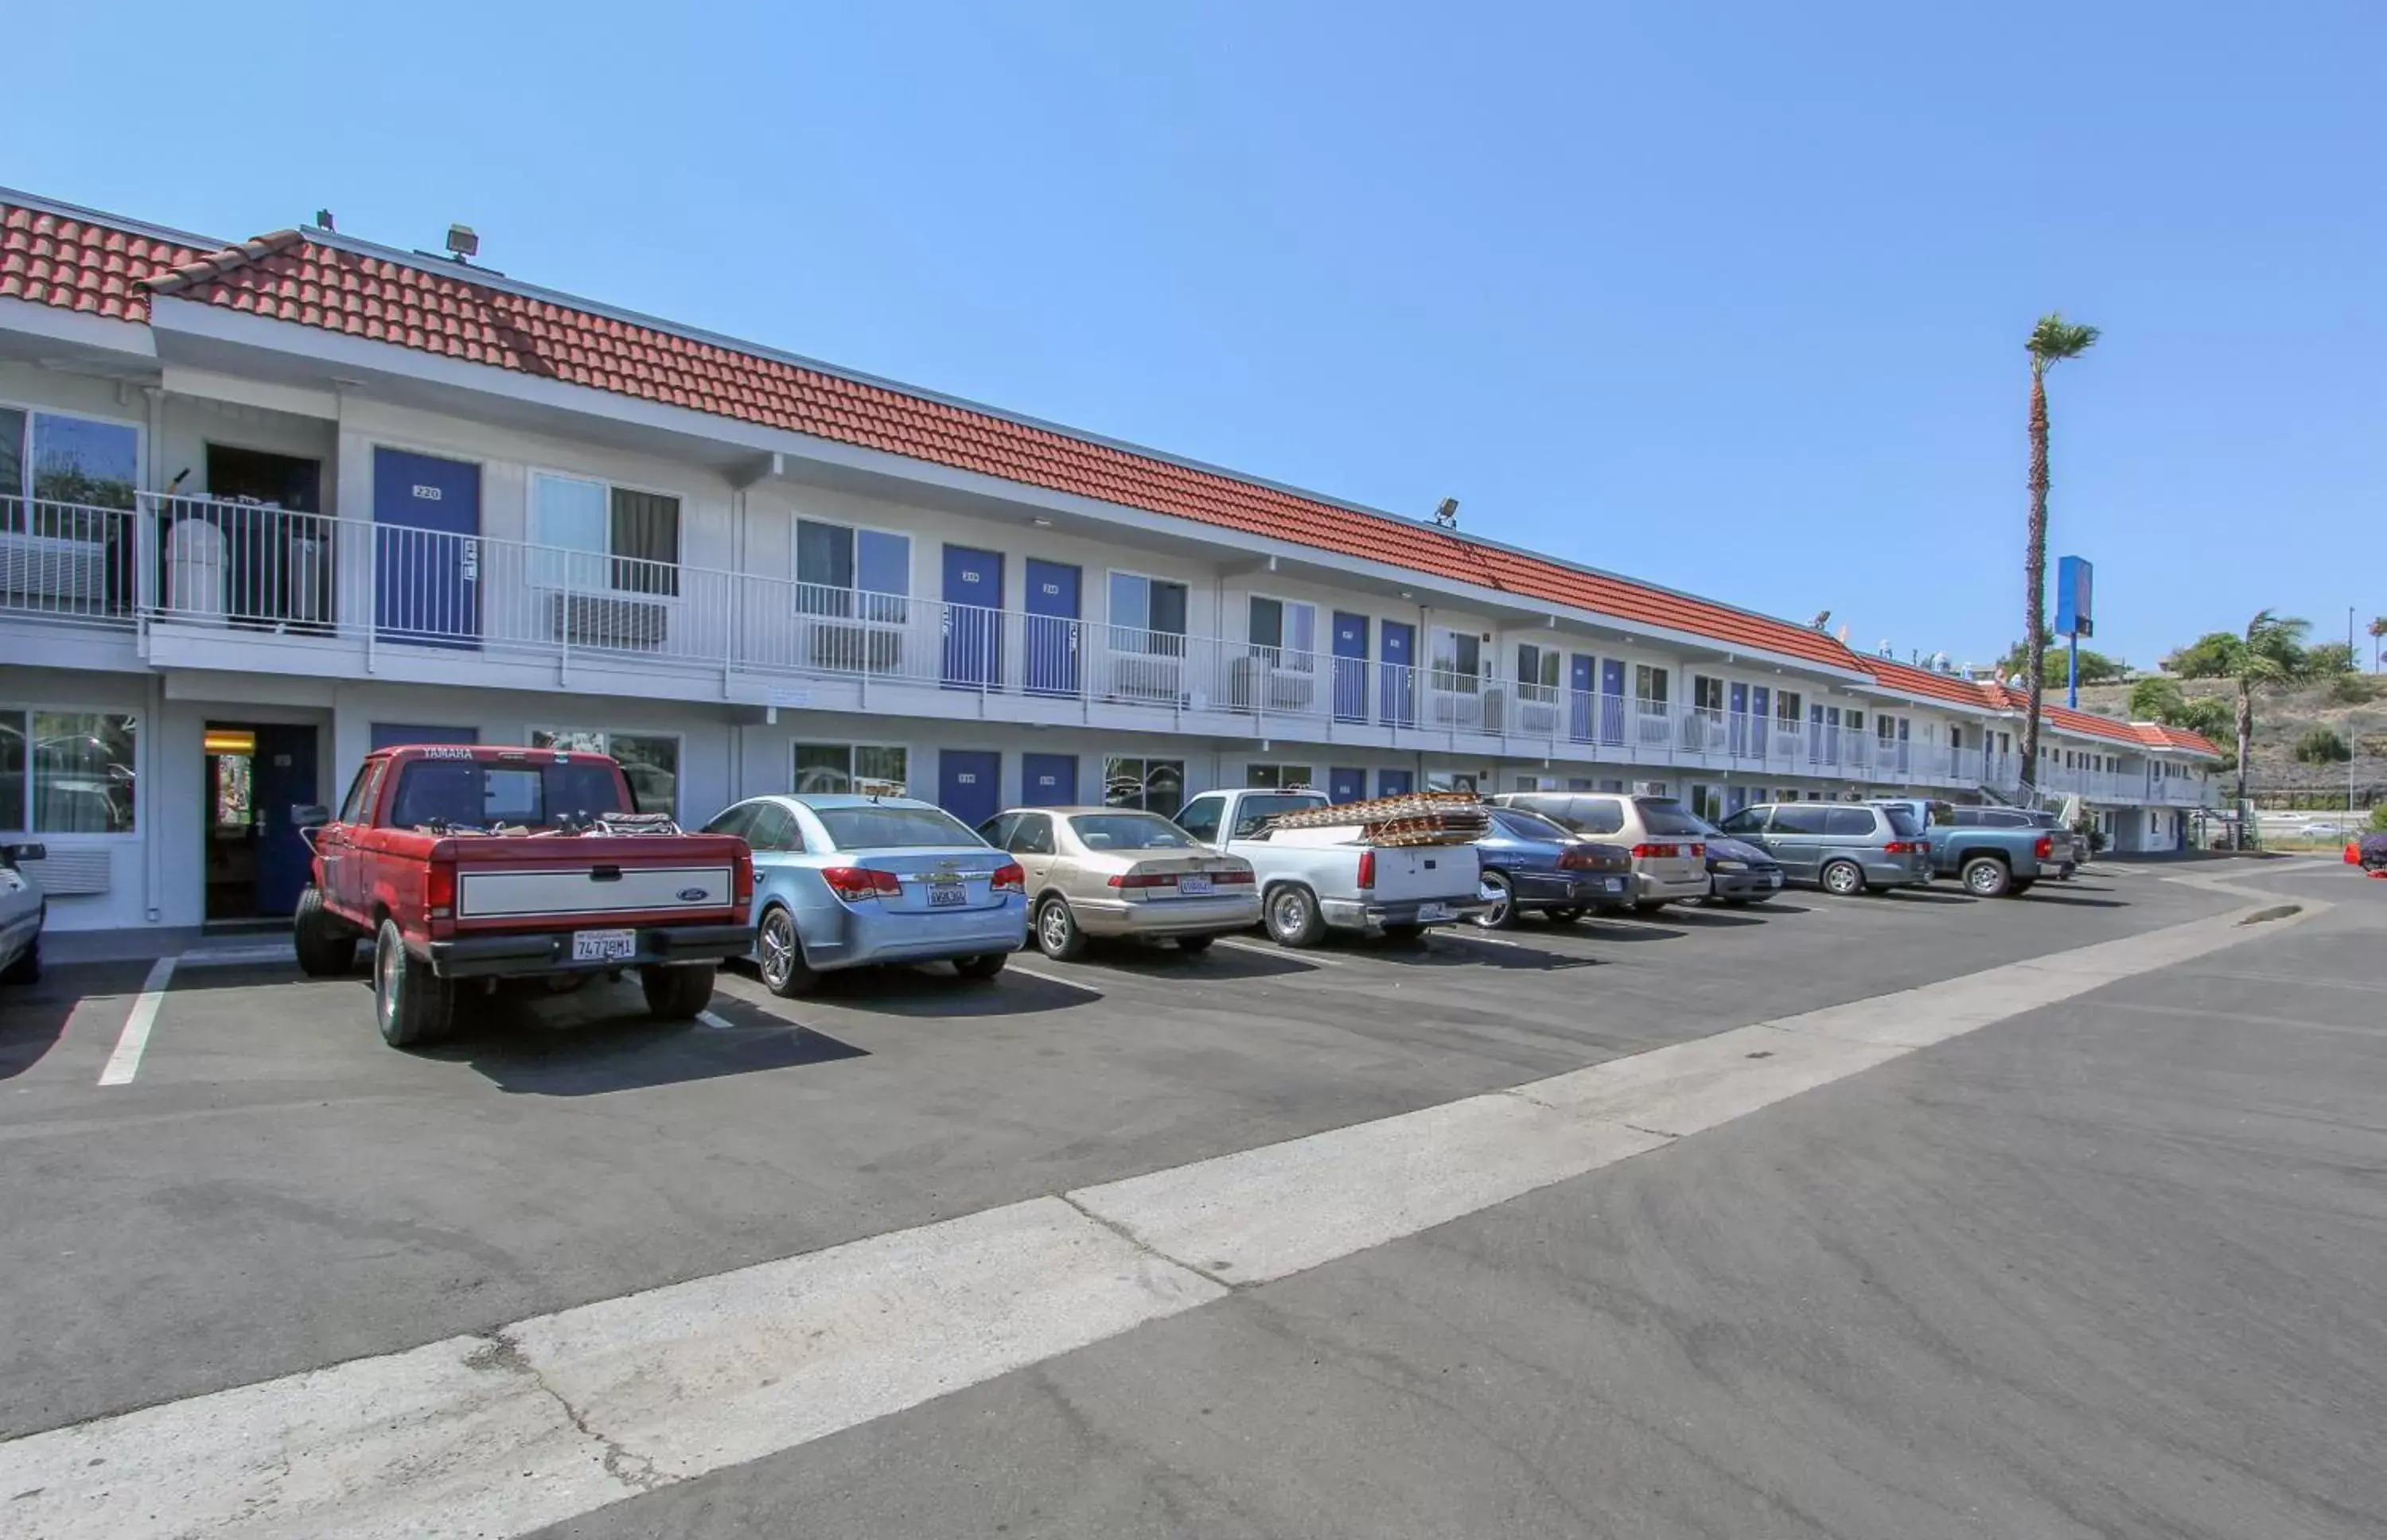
(1650, 683)
(853, 574)
(1537, 666)
(72, 460)
(1285, 632)
(1151, 785)
(870, 768)
(650, 761)
(1458, 661)
(1707, 694)
(589, 534)
(67, 772)
(1279, 778)
(1786, 707)
(1147, 615)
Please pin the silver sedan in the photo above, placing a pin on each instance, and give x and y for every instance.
(1109, 871)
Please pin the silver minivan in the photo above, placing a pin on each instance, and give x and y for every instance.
(1670, 853)
(1842, 848)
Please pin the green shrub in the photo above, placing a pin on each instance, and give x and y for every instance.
(2353, 690)
(2379, 818)
(2322, 746)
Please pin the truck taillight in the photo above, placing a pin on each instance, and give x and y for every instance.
(2045, 849)
(745, 878)
(1367, 869)
(855, 883)
(1009, 877)
(439, 890)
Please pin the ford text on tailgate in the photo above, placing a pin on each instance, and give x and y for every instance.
(462, 864)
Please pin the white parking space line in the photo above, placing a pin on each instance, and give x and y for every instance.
(123, 1064)
(506, 1431)
(1271, 949)
(706, 1018)
(1481, 939)
(1054, 979)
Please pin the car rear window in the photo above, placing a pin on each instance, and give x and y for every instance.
(1903, 822)
(1517, 824)
(1584, 815)
(1130, 831)
(870, 828)
(1665, 815)
(464, 795)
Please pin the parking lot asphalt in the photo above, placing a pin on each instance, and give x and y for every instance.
(275, 1189)
(2106, 1268)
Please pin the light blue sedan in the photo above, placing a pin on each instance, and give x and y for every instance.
(843, 881)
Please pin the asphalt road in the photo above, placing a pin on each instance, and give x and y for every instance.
(2107, 1268)
(2110, 1269)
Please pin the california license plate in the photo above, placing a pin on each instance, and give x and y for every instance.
(604, 946)
(947, 895)
(1434, 911)
(1773, 879)
(1193, 884)
(1614, 885)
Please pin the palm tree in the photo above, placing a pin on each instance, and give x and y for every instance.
(2271, 654)
(2378, 641)
(2052, 341)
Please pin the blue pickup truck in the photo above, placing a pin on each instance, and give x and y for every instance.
(1994, 851)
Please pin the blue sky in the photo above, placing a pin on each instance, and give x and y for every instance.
(1726, 297)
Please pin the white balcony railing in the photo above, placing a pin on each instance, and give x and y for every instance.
(201, 563)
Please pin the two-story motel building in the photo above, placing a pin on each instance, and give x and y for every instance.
(265, 506)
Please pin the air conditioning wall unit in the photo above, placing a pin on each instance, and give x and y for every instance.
(843, 647)
(596, 620)
(1254, 682)
(65, 573)
(1153, 678)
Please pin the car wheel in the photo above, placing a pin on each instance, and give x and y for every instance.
(410, 1006)
(1565, 916)
(985, 965)
(779, 955)
(1195, 943)
(676, 994)
(27, 969)
(1842, 879)
(1057, 935)
(1986, 877)
(1292, 917)
(1502, 916)
(326, 948)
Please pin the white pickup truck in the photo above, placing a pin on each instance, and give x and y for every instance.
(1312, 880)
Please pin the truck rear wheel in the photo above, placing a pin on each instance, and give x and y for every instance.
(326, 947)
(1986, 877)
(1292, 917)
(676, 994)
(409, 1006)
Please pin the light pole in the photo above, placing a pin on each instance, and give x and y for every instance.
(2352, 749)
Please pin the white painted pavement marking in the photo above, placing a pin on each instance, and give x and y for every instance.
(123, 1064)
(1479, 937)
(1054, 979)
(550, 1417)
(228, 956)
(706, 1018)
(1269, 948)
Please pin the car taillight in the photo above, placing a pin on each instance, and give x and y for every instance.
(1141, 879)
(1654, 852)
(1903, 847)
(1698, 853)
(855, 883)
(439, 888)
(1577, 859)
(1009, 877)
(2045, 849)
(1234, 875)
(1367, 869)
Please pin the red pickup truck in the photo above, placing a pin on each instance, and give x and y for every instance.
(462, 864)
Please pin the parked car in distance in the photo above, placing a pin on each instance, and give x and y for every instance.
(1843, 848)
(1113, 871)
(24, 909)
(1312, 880)
(1531, 864)
(1670, 863)
(2325, 831)
(481, 864)
(1738, 873)
(847, 880)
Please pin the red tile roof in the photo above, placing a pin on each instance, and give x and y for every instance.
(293, 277)
(90, 266)
(49, 258)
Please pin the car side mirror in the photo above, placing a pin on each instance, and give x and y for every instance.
(309, 814)
(20, 854)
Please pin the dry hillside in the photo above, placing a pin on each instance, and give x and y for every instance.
(2280, 719)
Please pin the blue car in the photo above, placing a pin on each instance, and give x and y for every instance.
(843, 881)
(1532, 863)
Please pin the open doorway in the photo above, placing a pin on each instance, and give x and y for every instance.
(256, 861)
